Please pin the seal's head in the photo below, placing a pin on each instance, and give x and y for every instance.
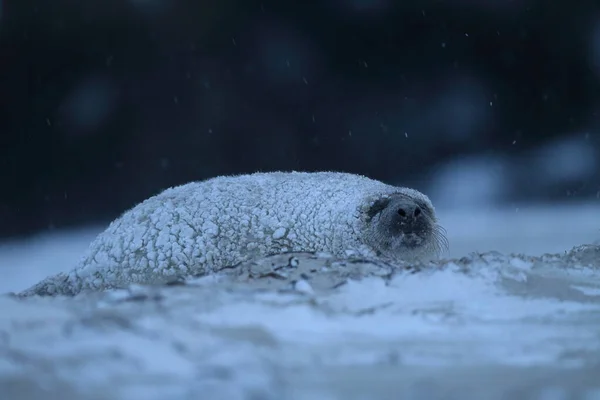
(404, 225)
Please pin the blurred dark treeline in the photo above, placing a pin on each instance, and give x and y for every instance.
(104, 103)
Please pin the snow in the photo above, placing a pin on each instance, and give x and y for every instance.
(27, 261)
(474, 182)
(575, 156)
(529, 229)
(471, 326)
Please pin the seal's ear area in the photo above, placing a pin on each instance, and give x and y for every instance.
(377, 206)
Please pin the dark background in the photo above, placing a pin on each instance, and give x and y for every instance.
(104, 103)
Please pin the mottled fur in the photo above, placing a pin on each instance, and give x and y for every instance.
(201, 226)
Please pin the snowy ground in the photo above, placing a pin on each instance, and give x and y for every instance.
(491, 327)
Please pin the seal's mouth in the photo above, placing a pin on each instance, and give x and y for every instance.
(414, 240)
(432, 239)
(435, 239)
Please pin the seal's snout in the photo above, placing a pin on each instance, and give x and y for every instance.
(410, 219)
(404, 224)
(407, 211)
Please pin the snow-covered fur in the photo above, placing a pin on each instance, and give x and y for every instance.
(200, 227)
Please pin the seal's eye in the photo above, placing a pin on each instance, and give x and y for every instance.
(417, 212)
(401, 212)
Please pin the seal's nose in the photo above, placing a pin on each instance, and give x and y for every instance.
(410, 218)
(408, 212)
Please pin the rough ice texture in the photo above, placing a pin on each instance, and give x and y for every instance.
(200, 227)
(311, 326)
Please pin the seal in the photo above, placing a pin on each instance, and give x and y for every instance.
(201, 227)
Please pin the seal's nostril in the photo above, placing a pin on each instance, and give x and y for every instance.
(401, 212)
(417, 212)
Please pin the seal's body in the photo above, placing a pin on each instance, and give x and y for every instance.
(200, 227)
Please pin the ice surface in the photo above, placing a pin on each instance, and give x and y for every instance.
(24, 262)
(532, 229)
(479, 326)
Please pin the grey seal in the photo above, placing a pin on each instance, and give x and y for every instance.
(200, 227)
